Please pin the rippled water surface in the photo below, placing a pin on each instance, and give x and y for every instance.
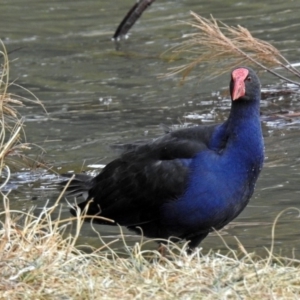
(96, 96)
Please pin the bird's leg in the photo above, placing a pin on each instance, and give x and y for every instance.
(162, 249)
(195, 241)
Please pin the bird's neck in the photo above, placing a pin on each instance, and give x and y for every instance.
(244, 131)
(244, 113)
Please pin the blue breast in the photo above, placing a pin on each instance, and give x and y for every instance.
(221, 181)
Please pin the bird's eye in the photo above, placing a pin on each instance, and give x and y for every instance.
(249, 78)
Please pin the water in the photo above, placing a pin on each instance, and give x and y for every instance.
(96, 96)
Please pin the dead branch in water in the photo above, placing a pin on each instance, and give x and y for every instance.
(217, 42)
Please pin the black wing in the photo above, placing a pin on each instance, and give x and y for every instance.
(132, 188)
(131, 17)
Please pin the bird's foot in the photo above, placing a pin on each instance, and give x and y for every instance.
(162, 249)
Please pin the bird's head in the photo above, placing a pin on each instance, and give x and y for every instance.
(244, 84)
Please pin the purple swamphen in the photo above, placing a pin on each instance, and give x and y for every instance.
(188, 182)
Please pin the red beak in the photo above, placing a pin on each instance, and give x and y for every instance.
(239, 88)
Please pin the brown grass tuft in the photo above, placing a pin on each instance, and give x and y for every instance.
(11, 121)
(215, 43)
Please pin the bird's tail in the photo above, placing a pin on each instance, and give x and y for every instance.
(77, 185)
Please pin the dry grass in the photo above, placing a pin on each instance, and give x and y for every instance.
(11, 122)
(37, 262)
(216, 43)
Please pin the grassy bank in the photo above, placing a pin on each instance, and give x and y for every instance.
(38, 263)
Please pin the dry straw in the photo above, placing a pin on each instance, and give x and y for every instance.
(39, 261)
(216, 43)
(11, 122)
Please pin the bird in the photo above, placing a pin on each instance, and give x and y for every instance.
(186, 183)
(130, 18)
